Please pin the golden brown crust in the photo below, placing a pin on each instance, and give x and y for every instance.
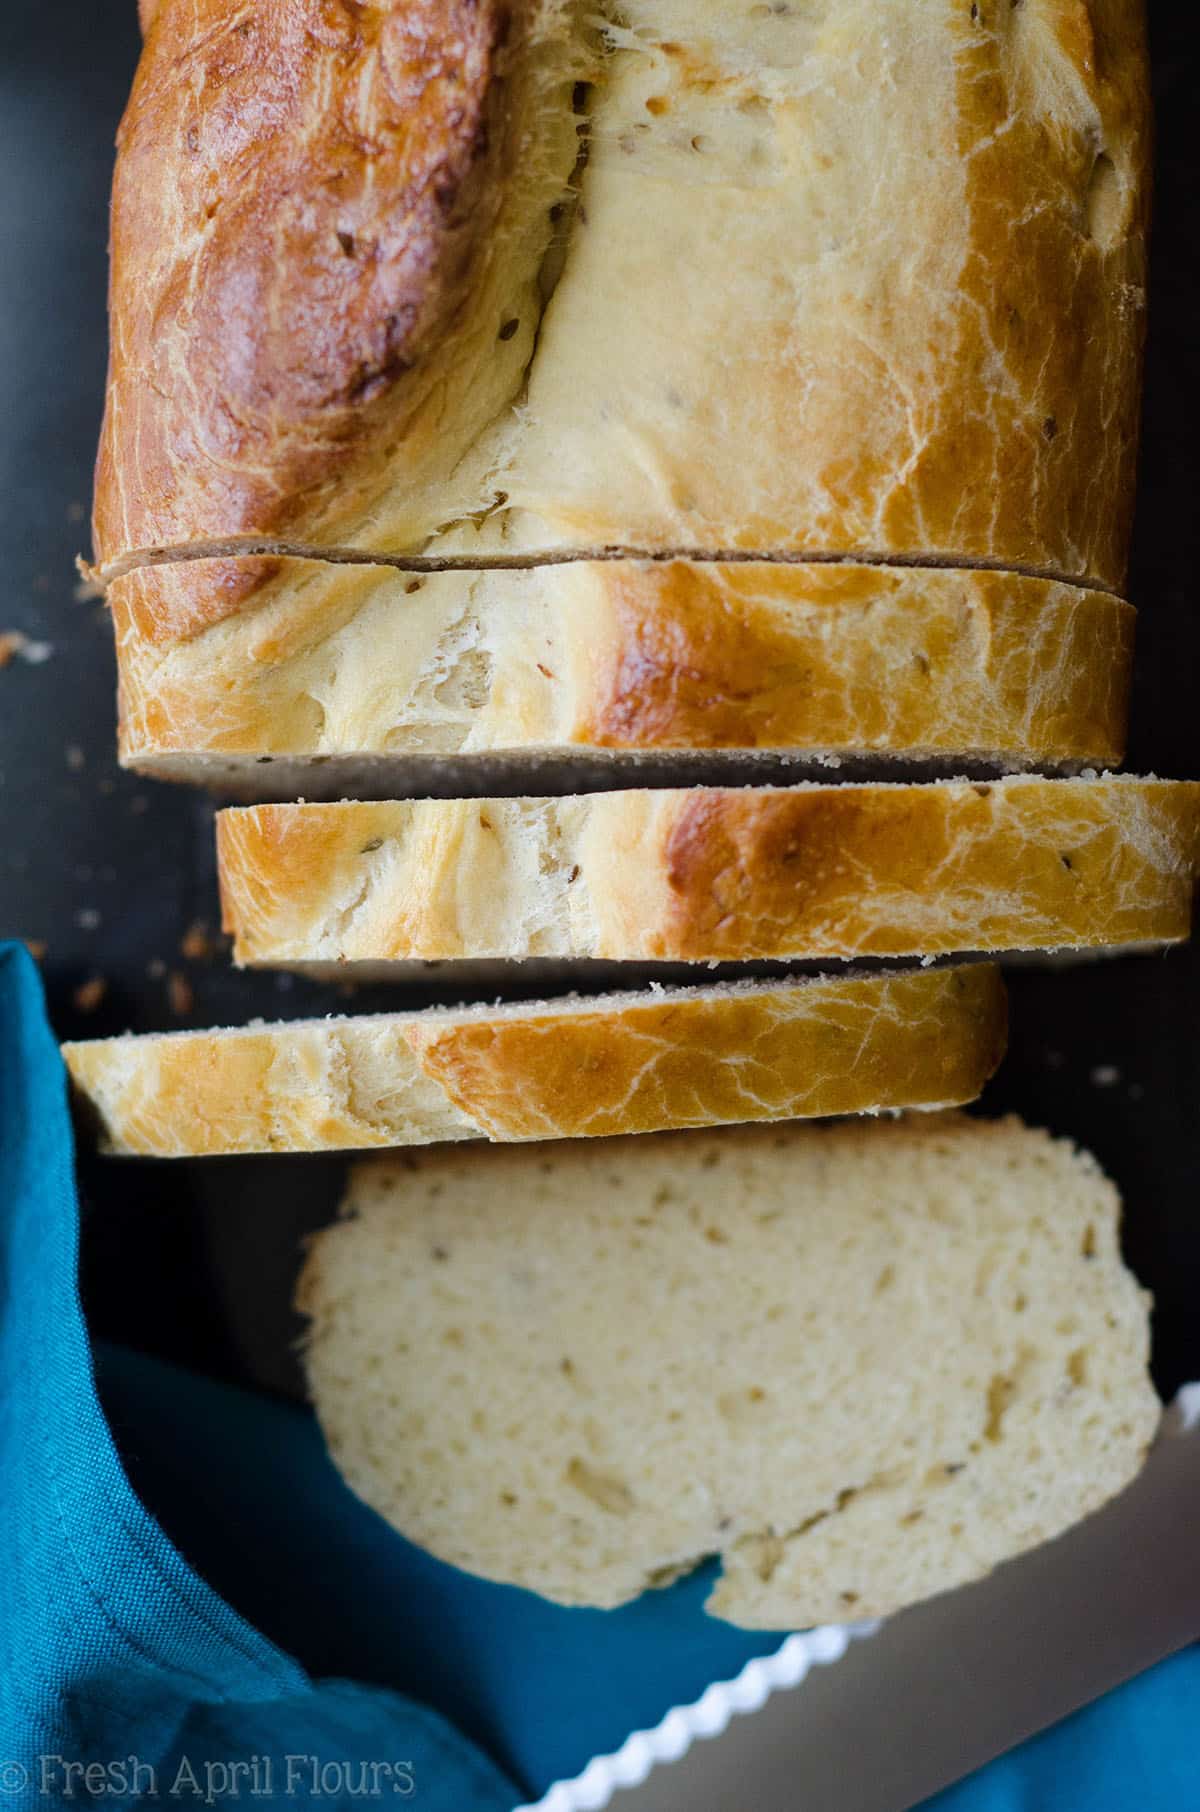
(680, 1064)
(710, 657)
(914, 325)
(935, 345)
(1057, 275)
(570, 1069)
(301, 192)
(890, 871)
(155, 606)
(346, 660)
(716, 874)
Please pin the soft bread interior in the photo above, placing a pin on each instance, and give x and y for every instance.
(861, 1363)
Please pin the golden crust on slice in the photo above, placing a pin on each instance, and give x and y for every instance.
(715, 874)
(559, 1069)
(619, 656)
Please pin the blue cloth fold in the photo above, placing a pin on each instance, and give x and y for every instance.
(114, 1653)
(119, 1644)
(1135, 1750)
(541, 1688)
(112, 1642)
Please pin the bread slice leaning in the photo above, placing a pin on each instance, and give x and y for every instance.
(573, 1068)
(281, 677)
(715, 874)
(860, 1363)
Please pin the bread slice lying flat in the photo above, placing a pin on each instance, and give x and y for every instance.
(341, 679)
(861, 1363)
(709, 875)
(573, 1068)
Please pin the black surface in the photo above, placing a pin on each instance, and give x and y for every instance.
(193, 1260)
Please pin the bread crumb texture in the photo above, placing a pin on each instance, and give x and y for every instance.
(862, 1363)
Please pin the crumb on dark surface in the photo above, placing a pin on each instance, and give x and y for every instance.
(180, 993)
(89, 994)
(198, 944)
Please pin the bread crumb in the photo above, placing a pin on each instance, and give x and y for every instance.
(88, 585)
(76, 759)
(1105, 1075)
(14, 642)
(89, 994)
(36, 948)
(197, 943)
(179, 993)
(87, 918)
(156, 968)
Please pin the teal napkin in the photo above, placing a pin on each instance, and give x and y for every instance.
(116, 1640)
(113, 1651)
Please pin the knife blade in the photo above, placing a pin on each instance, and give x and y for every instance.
(946, 1686)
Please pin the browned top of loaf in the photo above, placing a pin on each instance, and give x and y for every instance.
(301, 188)
(305, 189)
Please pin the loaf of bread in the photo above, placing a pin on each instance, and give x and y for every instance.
(673, 276)
(572, 1068)
(501, 390)
(860, 1363)
(362, 679)
(715, 874)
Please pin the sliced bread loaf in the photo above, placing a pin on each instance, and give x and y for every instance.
(712, 875)
(861, 1363)
(573, 1068)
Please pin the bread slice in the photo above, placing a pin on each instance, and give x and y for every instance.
(329, 677)
(714, 875)
(861, 1363)
(378, 277)
(570, 1068)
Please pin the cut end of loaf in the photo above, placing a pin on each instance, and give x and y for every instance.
(861, 1363)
